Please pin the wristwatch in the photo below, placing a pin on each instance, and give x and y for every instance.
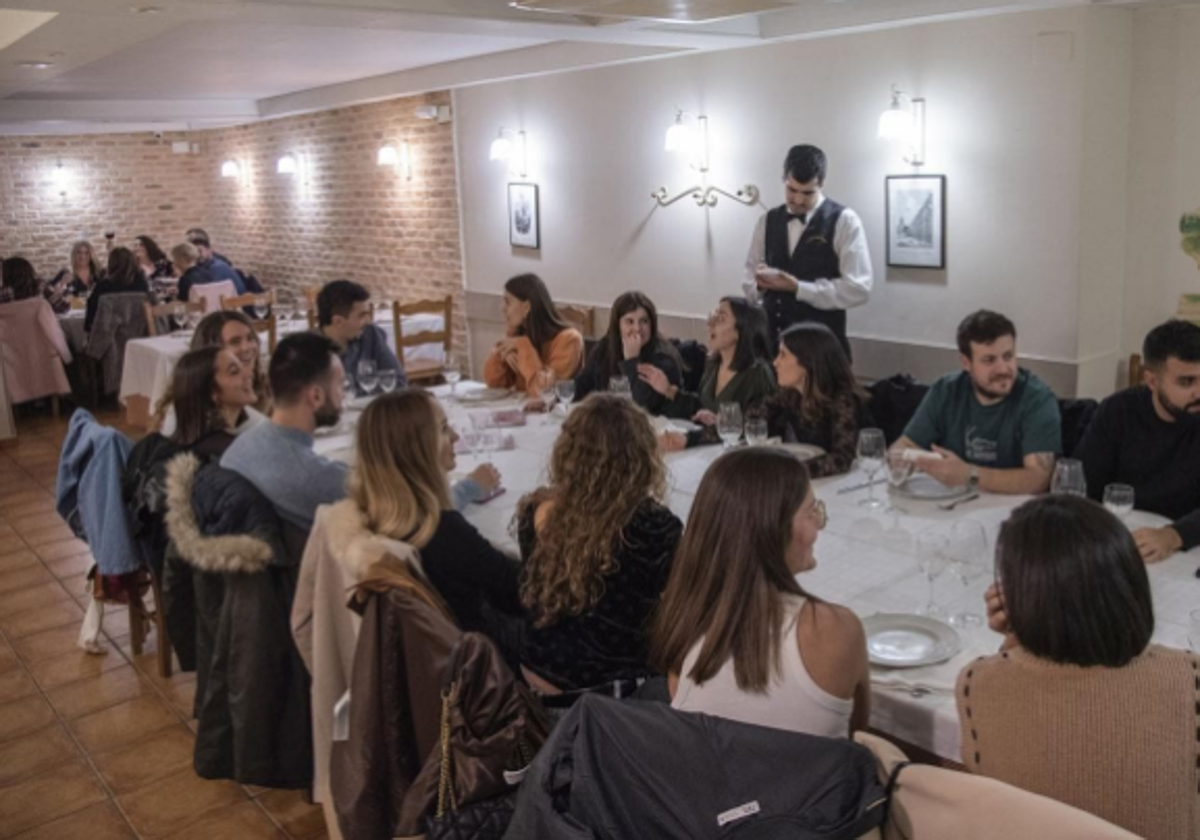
(973, 478)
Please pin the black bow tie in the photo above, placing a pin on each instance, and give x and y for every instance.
(802, 218)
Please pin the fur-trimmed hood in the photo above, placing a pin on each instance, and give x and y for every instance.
(359, 550)
(219, 553)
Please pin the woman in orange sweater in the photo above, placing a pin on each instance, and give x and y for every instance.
(538, 339)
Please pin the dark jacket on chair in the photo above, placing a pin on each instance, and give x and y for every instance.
(614, 770)
(252, 690)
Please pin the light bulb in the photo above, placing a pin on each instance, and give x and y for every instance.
(230, 169)
(387, 156)
(286, 165)
(501, 149)
(896, 123)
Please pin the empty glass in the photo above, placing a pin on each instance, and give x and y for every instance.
(1068, 478)
(368, 377)
(193, 318)
(565, 391)
(729, 423)
(1118, 499)
(543, 384)
(261, 308)
(387, 381)
(968, 558)
(931, 559)
(485, 431)
(619, 385)
(899, 470)
(756, 431)
(348, 384)
(452, 373)
(872, 449)
(179, 315)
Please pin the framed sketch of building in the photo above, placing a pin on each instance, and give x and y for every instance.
(524, 226)
(916, 221)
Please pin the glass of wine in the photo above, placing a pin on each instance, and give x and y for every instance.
(1118, 499)
(729, 423)
(368, 376)
(872, 449)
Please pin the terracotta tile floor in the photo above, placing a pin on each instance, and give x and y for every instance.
(96, 747)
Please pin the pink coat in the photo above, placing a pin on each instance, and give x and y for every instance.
(34, 350)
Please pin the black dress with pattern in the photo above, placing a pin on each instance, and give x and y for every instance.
(610, 641)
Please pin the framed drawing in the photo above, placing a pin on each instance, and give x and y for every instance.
(916, 221)
(524, 226)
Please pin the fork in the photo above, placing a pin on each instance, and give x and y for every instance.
(957, 502)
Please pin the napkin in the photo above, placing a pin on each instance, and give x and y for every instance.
(507, 418)
(920, 455)
(506, 443)
(924, 683)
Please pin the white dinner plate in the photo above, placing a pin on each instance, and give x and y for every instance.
(921, 486)
(344, 427)
(803, 451)
(482, 395)
(900, 640)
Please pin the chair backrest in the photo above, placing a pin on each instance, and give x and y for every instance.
(582, 318)
(1135, 370)
(894, 401)
(1076, 417)
(694, 356)
(267, 326)
(212, 293)
(120, 317)
(163, 312)
(33, 349)
(248, 299)
(442, 307)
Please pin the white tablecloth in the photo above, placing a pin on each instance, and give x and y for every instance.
(866, 561)
(150, 362)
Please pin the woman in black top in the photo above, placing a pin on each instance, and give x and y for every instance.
(598, 544)
(819, 402)
(405, 448)
(124, 275)
(632, 341)
(153, 262)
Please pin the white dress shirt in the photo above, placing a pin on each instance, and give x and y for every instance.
(851, 289)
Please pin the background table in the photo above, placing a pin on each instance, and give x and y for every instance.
(866, 561)
(150, 362)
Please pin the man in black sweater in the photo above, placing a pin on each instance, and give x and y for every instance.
(1149, 437)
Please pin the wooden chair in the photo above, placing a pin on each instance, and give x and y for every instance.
(1135, 370)
(248, 299)
(423, 371)
(164, 310)
(140, 615)
(582, 318)
(312, 319)
(310, 299)
(268, 327)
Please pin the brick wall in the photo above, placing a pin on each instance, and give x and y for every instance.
(341, 216)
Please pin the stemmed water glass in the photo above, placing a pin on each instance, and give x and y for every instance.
(1068, 478)
(565, 391)
(387, 381)
(967, 554)
(872, 448)
(931, 559)
(368, 376)
(179, 315)
(729, 423)
(261, 308)
(452, 373)
(193, 318)
(899, 470)
(1118, 500)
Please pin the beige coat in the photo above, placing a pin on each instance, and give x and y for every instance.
(341, 551)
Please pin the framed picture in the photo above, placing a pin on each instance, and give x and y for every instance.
(916, 221)
(524, 226)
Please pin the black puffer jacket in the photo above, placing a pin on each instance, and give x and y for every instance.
(252, 690)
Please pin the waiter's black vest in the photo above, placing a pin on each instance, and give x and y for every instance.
(813, 259)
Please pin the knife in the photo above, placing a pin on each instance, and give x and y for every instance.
(957, 502)
(862, 486)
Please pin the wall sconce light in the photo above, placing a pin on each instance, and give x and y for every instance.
(688, 136)
(503, 149)
(387, 156)
(400, 159)
(230, 169)
(62, 178)
(287, 165)
(905, 124)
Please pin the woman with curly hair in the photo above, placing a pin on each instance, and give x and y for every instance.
(597, 544)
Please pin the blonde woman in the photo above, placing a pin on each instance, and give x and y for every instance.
(597, 544)
(405, 448)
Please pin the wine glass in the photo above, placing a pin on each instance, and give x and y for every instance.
(899, 470)
(756, 431)
(368, 376)
(179, 315)
(486, 434)
(729, 423)
(931, 559)
(619, 385)
(387, 381)
(565, 391)
(452, 373)
(967, 555)
(193, 318)
(872, 447)
(1118, 500)
(543, 384)
(284, 311)
(348, 385)
(1068, 478)
(261, 308)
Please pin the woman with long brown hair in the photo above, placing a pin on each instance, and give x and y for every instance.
(632, 340)
(213, 391)
(404, 448)
(538, 340)
(597, 544)
(737, 635)
(819, 402)
(124, 275)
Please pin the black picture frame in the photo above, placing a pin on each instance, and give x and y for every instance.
(524, 219)
(915, 220)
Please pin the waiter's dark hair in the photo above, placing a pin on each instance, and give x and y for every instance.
(983, 327)
(804, 163)
(1174, 339)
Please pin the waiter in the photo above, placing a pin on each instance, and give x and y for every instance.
(808, 259)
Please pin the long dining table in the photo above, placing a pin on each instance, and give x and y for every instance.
(866, 559)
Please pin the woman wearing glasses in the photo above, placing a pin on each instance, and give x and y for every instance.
(737, 635)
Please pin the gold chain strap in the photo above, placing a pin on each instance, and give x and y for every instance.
(445, 780)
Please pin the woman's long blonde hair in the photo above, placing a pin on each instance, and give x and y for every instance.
(604, 466)
(398, 480)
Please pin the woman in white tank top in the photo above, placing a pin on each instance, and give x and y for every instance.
(736, 634)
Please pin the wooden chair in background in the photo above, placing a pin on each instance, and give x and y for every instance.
(582, 318)
(423, 371)
(1135, 370)
(310, 300)
(165, 310)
